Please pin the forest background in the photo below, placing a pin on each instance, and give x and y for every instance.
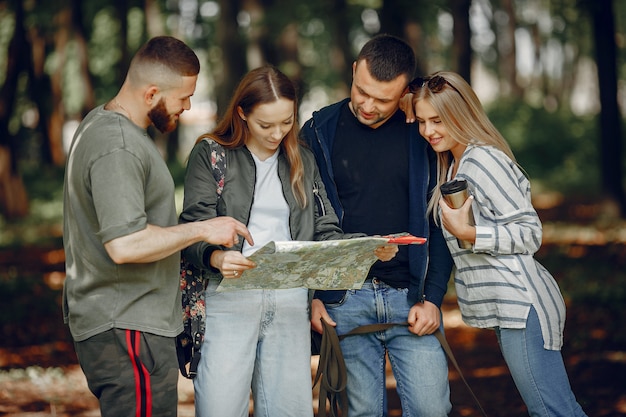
(551, 74)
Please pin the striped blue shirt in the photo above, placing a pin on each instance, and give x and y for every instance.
(499, 279)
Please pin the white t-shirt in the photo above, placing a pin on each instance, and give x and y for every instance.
(269, 215)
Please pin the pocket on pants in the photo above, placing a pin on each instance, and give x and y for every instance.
(100, 358)
(347, 294)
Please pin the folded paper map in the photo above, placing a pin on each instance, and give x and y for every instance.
(324, 265)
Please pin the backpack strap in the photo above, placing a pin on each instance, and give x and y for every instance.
(193, 286)
(218, 164)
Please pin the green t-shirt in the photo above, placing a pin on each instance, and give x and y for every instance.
(116, 183)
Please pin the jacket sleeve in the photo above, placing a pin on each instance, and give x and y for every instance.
(439, 259)
(439, 266)
(200, 201)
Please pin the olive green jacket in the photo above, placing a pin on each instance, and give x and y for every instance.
(316, 221)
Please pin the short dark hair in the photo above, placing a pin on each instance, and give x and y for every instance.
(388, 57)
(162, 61)
(171, 52)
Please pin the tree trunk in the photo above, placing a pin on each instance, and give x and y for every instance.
(507, 51)
(287, 49)
(395, 20)
(342, 55)
(610, 119)
(233, 50)
(154, 19)
(80, 37)
(462, 35)
(57, 107)
(260, 48)
(13, 196)
(121, 10)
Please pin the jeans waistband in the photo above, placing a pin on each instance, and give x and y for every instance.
(377, 281)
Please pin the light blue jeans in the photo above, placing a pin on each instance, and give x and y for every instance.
(418, 363)
(259, 340)
(539, 374)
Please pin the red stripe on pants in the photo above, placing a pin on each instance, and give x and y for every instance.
(143, 392)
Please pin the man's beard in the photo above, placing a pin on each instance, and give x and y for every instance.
(363, 121)
(160, 118)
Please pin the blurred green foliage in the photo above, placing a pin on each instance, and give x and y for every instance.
(558, 150)
(43, 225)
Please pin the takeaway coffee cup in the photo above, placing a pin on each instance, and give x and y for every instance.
(455, 193)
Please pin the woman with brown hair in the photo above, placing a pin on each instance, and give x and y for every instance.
(257, 339)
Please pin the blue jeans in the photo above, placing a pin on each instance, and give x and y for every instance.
(418, 363)
(257, 339)
(539, 374)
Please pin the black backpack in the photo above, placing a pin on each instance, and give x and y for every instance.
(192, 286)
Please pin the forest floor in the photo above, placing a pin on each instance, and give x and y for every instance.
(39, 375)
(44, 380)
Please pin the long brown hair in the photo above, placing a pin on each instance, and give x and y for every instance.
(262, 85)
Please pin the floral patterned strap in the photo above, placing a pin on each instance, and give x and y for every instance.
(193, 284)
(218, 163)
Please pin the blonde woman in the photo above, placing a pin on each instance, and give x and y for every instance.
(498, 282)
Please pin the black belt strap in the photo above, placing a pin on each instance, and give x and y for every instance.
(332, 375)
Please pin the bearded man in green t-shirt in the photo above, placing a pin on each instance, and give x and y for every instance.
(122, 242)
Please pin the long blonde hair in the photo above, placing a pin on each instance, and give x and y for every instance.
(463, 115)
(260, 86)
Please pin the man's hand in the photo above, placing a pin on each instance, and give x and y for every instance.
(424, 318)
(406, 105)
(318, 312)
(386, 253)
(223, 231)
